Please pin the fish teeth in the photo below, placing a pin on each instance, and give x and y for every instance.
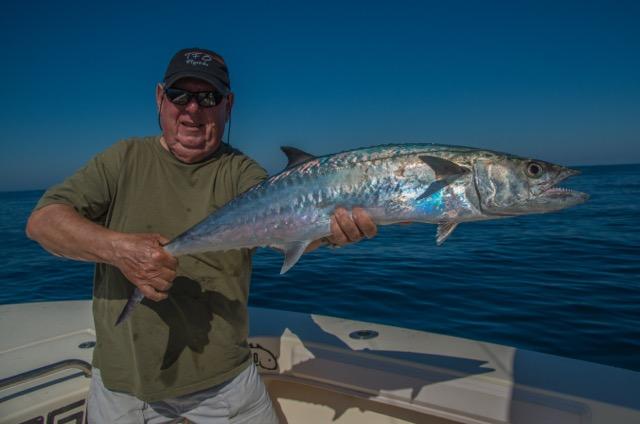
(562, 189)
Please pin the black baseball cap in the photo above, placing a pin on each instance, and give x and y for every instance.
(198, 63)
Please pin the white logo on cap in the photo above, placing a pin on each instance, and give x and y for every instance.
(198, 59)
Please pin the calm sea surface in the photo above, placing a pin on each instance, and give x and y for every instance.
(566, 283)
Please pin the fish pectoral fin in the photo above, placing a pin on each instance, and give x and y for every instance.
(443, 168)
(446, 173)
(444, 231)
(292, 252)
(295, 156)
(433, 188)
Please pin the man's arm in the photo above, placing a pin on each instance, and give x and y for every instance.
(140, 257)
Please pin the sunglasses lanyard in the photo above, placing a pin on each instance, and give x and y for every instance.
(229, 131)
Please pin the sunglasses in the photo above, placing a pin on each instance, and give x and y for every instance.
(183, 97)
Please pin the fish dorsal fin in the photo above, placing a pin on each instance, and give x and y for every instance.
(443, 168)
(444, 231)
(292, 252)
(295, 156)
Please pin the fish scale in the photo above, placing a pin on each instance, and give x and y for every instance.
(430, 183)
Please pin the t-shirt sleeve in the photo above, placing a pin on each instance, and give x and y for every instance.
(250, 174)
(92, 188)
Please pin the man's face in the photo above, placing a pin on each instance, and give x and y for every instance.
(191, 132)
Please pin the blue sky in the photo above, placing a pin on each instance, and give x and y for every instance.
(555, 80)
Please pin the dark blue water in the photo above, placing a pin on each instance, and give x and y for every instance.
(566, 283)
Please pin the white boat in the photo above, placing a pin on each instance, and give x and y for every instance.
(321, 369)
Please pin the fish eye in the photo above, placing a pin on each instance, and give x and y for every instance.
(534, 170)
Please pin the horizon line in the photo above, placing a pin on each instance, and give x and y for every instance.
(568, 166)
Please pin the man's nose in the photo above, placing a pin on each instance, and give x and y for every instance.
(192, 106)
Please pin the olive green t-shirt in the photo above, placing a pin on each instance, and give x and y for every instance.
(197, 338)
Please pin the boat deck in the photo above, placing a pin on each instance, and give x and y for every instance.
(321, 369)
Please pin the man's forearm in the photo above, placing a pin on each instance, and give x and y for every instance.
(64, 232)
(140, 257)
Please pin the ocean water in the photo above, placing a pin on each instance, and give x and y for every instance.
(566, 283)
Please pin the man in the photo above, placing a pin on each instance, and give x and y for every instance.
(184, 355)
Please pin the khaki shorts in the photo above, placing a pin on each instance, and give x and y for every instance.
(243, 399)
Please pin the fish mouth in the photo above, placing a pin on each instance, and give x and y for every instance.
(561, 192)
(562, 197)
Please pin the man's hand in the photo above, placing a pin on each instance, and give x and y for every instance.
(351, 227)
(347, 227)
(143, 260)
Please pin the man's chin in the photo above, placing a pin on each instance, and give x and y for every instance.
(192, 142)
(191, 152)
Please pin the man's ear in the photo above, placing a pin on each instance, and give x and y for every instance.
(159, 95)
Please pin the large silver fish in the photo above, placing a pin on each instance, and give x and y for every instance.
(438, 184)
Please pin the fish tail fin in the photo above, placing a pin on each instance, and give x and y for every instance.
(135, 298)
